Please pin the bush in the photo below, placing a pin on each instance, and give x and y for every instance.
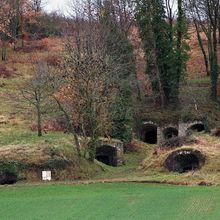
(47, 25)
(5, 73)
(8, 172)
(57, 163)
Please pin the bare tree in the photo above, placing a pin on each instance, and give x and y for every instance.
(205, 14)
(37, 92)
(171, 13)
(82, 81)
(86, 80)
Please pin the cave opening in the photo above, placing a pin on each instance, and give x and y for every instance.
(184, 161)
(197, 127)
(170, 132)
(107, 155)
(149, 134)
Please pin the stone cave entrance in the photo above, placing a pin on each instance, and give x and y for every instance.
(170, 132)
(107, 155)
(197, 127)
(148, 134)
(182, 161)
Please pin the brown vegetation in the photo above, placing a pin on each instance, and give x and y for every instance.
(5, 72)
(176, 142)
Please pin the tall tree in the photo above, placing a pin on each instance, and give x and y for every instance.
(164, 46)
(181, 47)
(84, 85)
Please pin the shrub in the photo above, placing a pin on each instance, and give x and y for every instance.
(5, 73)
(53, 60)
(8, 172)
(47, 25)
(56, 163)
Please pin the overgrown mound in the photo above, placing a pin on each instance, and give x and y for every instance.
(27, 163)
(204, 154)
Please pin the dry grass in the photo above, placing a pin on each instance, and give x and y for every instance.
(209, 146)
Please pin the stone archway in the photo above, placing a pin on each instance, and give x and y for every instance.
(182, 161)
(197, 127)
(170, 132)
(148, 133)
(107, 154)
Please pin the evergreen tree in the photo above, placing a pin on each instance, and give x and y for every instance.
(164, 50)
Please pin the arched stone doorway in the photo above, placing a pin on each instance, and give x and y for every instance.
(184, 161)
(148, 133)
(198, 127)
(107, 155)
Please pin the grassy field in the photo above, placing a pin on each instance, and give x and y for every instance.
(109, 201)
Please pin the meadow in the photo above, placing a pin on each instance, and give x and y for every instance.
(109, 201)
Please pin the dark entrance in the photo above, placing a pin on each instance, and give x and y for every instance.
(197, 127)
(149, 134)
(107, 155)
(184, 161)
(170, 133)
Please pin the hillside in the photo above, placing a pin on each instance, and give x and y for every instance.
(19, 143)
(17, 120)
(195, 100)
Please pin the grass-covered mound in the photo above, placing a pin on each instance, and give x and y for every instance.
(29, 155)
(204, 154)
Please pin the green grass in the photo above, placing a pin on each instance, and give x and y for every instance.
(15, 136)
(110, 201)
(130, 169)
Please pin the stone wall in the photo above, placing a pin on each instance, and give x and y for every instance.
(119, 148)
(182, 128)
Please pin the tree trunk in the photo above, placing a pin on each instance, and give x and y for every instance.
(214, 66)
(70, 127)
(206, 61)
(162, 96)
(92, 146)
(4, 50)
(39, 126)
(219, 29)
(179, 50)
